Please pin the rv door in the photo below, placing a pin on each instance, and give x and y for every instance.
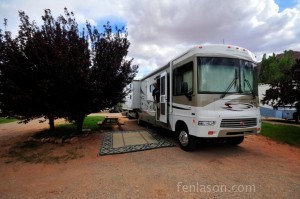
(163, 98)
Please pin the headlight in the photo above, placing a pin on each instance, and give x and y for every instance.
(206, 123)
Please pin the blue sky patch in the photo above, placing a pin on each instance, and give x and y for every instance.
(283, 4)
(113, 22)
(103, 21)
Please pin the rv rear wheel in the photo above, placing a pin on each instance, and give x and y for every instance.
(186, 141)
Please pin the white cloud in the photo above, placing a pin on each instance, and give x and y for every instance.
(257, 26)
(161, 29)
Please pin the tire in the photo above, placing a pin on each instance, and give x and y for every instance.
(186, 141)
(235, 140)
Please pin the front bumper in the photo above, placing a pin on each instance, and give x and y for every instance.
(238, 132)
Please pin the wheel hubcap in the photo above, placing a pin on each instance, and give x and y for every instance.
(183, 138)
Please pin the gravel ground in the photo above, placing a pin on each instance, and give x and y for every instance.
(258, 168)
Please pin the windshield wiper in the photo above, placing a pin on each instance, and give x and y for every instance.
(249, 85)
(233, 82)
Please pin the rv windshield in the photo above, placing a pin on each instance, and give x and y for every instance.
(225, 75)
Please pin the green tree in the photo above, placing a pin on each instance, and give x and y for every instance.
(111, 71)
(281, 72)
(43, 67)
(51, 71)
(17, 95)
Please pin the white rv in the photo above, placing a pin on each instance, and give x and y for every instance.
(210, 91)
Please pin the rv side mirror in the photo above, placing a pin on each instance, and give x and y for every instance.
(184, 87)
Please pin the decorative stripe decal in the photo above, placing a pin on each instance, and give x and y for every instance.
(181, 108)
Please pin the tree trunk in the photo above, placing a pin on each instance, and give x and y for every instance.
(51, 122)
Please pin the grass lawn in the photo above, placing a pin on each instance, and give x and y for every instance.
(282, 133)
(90, 122)
(61, 130)
(7, 120)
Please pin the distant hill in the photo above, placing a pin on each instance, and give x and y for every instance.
(296, 54)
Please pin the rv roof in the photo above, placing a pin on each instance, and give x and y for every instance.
(218, 50)
(212, 50)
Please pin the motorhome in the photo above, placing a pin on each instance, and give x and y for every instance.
(210, 91)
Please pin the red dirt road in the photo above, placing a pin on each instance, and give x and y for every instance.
(258, 168)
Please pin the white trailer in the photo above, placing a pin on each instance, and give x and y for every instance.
(210, 91)
(132, 99)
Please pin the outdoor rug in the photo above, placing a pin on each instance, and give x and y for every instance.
(117, 142)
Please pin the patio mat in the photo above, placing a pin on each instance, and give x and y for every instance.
(117, 142)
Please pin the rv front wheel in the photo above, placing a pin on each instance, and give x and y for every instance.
(185, 140)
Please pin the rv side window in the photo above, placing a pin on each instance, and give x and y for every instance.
(183, 74)
(151, 88)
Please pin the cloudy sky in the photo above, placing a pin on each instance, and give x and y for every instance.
(161, 29)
